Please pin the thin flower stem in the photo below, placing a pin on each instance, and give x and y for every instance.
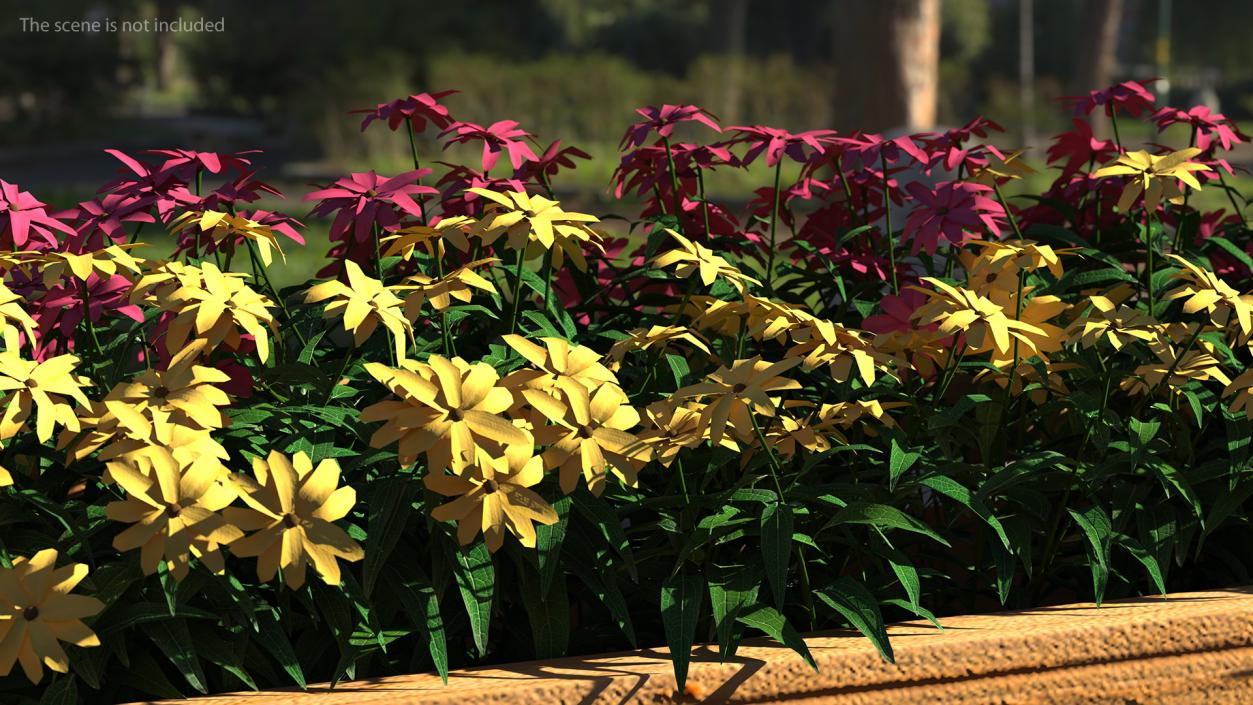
(1228, 189)
(259, 265)
(517, 291)
(848, 190)
(774, 220)
(887, 216)
(1113, 121)
(1148, 248)
(378, 254)
(417, 165)
(1174, 365)
(548, 279)
(1013, 221)
(91, 328)
(343, 367)
(674, 182)
(700, 184)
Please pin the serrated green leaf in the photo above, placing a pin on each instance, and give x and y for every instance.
(681, 600)
(883, 516)
(776, 626)
(1099, 531)
(391, 501)
(855, 603)
(476, 580)
(174, 640)
(776, 547)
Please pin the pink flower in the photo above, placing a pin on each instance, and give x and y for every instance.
(1207, 126)
(952, 148)
(59, 311)
(193, 239)
(662, 121)
(362, 201)
(186, 162)
(895, 312)
(1130, 96)
(554, 159)
(503, 135)
(776, 143)
(104, 218)
(24, 222)
(1079, 147)
(955, 210)
(243, 189)
(870, 149)
(457, 200)
(417, 109)
(165, 190)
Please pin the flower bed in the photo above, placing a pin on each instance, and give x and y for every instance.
(496, 428)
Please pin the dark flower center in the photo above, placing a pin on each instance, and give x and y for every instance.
(371, 193)
(942, 210)
(454, 415)
(30, 614)
(290, 521)
(490, 487)
(172, 510)
(161, 392)
(739, 388)
(992, 277)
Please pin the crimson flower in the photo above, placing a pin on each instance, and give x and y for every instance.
(554, 159)
(1079, 147)
(417, 109)
(662, 121)
(58, 312)
(186, 162)
(1207, 126)
(194, 239)
(955, 210)
(896, 313)
(104, 216)
(165, 190)
(24, 222)
(362, 201)
(776, 143)
(1131, 96)
(456, 197)
(244, 189)
(953, 149)
(502, 135)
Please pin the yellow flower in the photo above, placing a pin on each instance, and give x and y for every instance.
(1009, 169)
(840, 349)
(41, 387)
(184, 390)
(1205, 291)
(1118, 324)
(845, 414)
(986, 327)
(103, 263)
(492, 495)
(362, 304)
(534, 224)
(430, 238)
(1200, 363)
(1027, 376)
(38, 611)
(560, 368)
(788, 435)
(212, 305)
(172, 507)
(290, 512)
(1041, 337)
(1156, 177)
(1242, 388)
(674, 427)
(735, 394)
(447, 408)
(998, 264)
(221, 226)
(694, 258)
(655, 338)
(591, 438)
(14, 320)
(457, 284)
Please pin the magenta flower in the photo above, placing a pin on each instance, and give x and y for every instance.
(776, 143)
(504, 135)
(1079, 147)
(102, 218)
(1207, 126)
(955, 210)
(553, 160)
(952, 148)
(896, 312)
(662, 121)
(871, 149)
(417, 109)
(1132, 97)
(186, 162)
(164, 190)
(455, 197)
(59, 311)
(24, 222)
(244, 189)
(363, 201)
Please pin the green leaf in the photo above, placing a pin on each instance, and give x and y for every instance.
(274, 640)
(549, 615)
(731, 588)
(1230, 248)
(421, 604)
(548, 541)
(678, 366)
(681, 600)
(956, 491)
(855, 603)
(899, 461)
(601, 513)
(476, 579)
(776, 547)
(1098, 529)
(126, 615)
(883, 516)
(174, 640)
(391, 500)
(1148, 560)
(776, 626)
(63, 691)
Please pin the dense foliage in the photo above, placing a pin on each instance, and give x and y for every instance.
(497, 429)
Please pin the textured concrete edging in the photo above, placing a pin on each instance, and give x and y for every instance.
(1185, 648)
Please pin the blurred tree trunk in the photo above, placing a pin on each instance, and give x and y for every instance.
(166, 49)
(887, 60)
(731, 22)
(1098, 48)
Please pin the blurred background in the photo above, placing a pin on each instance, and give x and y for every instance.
(284, 73)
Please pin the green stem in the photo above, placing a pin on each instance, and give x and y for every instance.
(1227, 189)
(700, 184)
(343, 367)
(378, 254)
(517, 292)
(674, 183)
(887, 216)
(848, 190)
(259, 265)
(1148, 248)
(1013, 221)
(413, 149)
(1113, 121)
(91, 329)
(774, 219)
